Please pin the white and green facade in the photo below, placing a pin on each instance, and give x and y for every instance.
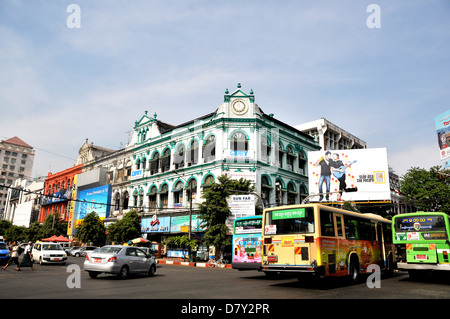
(237, 139)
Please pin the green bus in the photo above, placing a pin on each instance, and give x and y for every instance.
(421, 242)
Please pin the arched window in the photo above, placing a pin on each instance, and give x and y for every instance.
(290, 158)
(141, 198)
(138, 163)
(192, 185)
(178, 159)
(292, 194)
(165, 160)
(265, 149)
(178, 194)
(154, 164)
(279, 193)
(239, 142)
(144, 163)
(192, 155)
(208, 181)
(164, 196)
(209, 149)
(125, 200)
(266, 190)
(117, 202)
(152, 197)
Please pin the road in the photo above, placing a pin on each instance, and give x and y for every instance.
(197, 285)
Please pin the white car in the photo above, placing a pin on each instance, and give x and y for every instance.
(119, 260)
(49, 253)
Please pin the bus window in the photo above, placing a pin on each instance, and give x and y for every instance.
(366, 230)
(339, 225)
(327, 223)
(350, 227)
(291, 221)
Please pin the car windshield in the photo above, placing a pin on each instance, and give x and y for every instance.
(108, 249)
(51, 247)
(3, 246)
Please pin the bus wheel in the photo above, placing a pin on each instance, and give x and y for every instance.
(355, 276)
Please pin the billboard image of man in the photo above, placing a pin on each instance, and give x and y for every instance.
(325, 175)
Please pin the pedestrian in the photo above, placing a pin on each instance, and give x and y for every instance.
(14, 256)
(27, 260)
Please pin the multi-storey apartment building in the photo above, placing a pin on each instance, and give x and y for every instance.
(16, 160)
(330, 136)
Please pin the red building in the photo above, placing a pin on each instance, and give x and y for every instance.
(58, 188)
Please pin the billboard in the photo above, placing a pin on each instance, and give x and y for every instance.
(96, 200)
(155, 224)
(334, 175)
(442, 123)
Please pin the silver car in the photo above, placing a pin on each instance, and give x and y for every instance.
(119, 260)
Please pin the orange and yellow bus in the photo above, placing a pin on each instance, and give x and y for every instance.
(324, 241)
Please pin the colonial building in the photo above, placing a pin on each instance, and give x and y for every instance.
(58, 191)
(172, 165)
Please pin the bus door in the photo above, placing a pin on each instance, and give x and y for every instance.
(341, 244)
(381, 248)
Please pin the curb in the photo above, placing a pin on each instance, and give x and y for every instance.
(188, 264)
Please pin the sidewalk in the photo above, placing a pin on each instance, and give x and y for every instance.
(181, 262)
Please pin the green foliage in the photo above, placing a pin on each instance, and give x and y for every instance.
(426, 189)
(214, 211)
(127, 228)
(92, 230)
(51, 226)
(182, 242)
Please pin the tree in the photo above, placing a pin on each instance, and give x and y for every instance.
(92, 230)
(52, 225)
(127, 228)
(426, 189)
(214, 211)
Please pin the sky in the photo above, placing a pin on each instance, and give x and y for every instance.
(71, 70)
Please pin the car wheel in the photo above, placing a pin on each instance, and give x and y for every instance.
(123, 274)
(93, 274)
(152, 270)
(40, 261)
(77, 255)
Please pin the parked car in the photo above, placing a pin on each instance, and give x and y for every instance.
(48, 253)
(70, 249)
(4, 253)
(120, 261)
(82, 251)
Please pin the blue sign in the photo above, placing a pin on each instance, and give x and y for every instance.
(96, 200)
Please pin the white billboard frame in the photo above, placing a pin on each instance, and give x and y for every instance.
(365, 170)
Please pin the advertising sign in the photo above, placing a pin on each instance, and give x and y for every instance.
(96, 200)
(181, 224)
(136, 174)
(442, 122)
(155, 224)
(70, 226)
(349, 175)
